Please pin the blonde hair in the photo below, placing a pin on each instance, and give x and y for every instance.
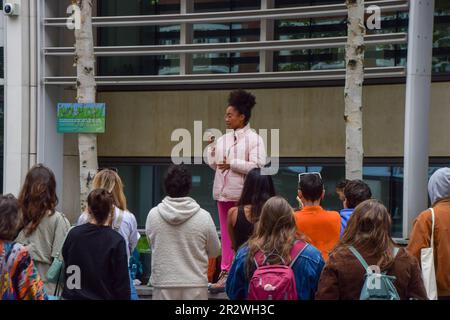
(275, 232)
(110, 180)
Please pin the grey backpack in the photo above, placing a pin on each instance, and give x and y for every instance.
(377, 285)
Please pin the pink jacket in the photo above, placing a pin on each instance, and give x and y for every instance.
(244, 153)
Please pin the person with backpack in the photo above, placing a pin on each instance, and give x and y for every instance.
(43, 227)
(123, 221)
(367, 265)
(182, 236)
(95, 256)
(257, 190)
(424, 236)
(19, 279)
(276, 263)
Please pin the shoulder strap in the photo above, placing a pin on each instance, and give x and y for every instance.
(58, 254)
(241, 211)
(359, 257)
(296, 251)
(395, 251)
(259, 258)
(432, 227)
(116, 227)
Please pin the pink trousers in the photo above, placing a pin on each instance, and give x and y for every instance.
(227, 251)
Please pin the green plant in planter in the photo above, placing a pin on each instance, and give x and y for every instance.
(143, 246)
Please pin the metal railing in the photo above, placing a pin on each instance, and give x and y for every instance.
(273, 45)
(265, 47)
(316, 75)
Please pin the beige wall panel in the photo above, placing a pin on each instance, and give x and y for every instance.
(310, 120)
(440, 120)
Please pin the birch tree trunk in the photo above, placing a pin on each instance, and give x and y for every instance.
(354, 79)
(86, 90)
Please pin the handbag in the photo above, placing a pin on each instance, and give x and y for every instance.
(56, 269)
(427, 263)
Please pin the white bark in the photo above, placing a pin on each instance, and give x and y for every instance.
(86, 91)
(354, 79)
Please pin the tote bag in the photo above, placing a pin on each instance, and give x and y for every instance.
(427, 262)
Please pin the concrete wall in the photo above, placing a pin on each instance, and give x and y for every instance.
(310, 119)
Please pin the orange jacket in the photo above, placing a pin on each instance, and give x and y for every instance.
(320, 226)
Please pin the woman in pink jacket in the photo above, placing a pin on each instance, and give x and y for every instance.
(232, 156)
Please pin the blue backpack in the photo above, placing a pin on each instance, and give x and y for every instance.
(377, 285)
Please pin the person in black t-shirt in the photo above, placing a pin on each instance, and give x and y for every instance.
(95, 256)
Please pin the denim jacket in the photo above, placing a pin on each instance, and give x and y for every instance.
(307, 269)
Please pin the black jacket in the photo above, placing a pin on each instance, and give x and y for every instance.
(99, 253)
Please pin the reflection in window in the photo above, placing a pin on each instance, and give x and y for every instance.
(239, 62)
(225, 5)
(144, 187)
(303, 3)
(220, 62)
(2, 133)
(284, 60)
(441, 37)
(137, 7)
(139, 65)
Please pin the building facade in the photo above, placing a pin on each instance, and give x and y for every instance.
(162, 65)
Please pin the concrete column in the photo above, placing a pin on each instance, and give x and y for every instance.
(33, 82)
(267, 33)
(49, 143)
(17, 98)
(418, 86)
(186, 36)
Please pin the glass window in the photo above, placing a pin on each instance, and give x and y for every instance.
(225, 5)
(139, 65)
(441, 37)
(303, 3)
(137, 7)
(284, 60)
(239, 62)
(2, 133)
(144, 187)
(220, 62)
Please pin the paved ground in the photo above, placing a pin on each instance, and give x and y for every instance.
(145, 293)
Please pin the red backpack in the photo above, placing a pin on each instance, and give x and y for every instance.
(277, 281)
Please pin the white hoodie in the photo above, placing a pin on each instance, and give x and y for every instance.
(182, 237)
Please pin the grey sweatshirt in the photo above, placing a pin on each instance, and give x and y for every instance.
(182, 237)
(439, 185)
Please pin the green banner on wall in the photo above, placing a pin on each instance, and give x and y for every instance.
(81, 117)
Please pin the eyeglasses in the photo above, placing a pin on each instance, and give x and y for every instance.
(306, 173)
(112, 169)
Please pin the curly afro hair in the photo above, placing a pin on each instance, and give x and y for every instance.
(243, 102)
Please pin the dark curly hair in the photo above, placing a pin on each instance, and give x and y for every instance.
(355, 192)
(178, 181)
(9, 217)
(243, 102)
(37, 197)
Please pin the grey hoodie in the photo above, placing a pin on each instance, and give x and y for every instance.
(182, 237)
(439, 185)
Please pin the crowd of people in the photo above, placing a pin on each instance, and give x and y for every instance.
(267, 249)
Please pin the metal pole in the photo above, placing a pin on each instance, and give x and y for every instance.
(418, 86)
